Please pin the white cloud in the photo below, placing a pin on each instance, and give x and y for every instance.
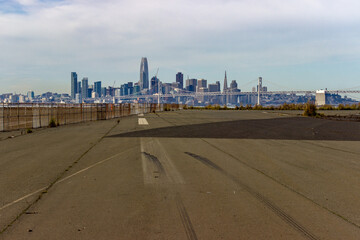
(110, 36)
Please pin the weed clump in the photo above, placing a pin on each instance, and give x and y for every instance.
(52, 123)
(310, 110)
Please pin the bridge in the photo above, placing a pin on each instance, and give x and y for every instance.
(200, 94)
(232, 92)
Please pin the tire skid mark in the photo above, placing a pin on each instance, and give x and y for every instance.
(155, 161)
(185, 219)
(272, 206)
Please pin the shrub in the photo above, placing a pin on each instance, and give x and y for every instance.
(52, 123)
(29, 130)
(310, 110)
(326, 107)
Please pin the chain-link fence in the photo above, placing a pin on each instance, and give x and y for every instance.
(16, 116)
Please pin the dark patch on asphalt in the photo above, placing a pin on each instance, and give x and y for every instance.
(287, 128)
(270, 205)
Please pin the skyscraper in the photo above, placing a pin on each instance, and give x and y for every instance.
(144, 74)
(84, 87)
(74, 85)
(30, 95)
(78, 90)
(97, 88)
(191, 85)
(202, 83)
(225, 83)
(154, 85)
(180, 79)
(233, 84)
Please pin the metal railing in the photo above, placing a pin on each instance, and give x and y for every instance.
(15, 116)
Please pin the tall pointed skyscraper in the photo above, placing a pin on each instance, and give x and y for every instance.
(144, 74)
(225, 83)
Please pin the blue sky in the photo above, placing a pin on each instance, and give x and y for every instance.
(292, 44)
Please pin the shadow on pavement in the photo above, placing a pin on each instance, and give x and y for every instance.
(294, 128)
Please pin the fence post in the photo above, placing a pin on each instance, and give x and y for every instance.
(48, 121)
(18, 116)
(2, 118)
(40, 114)
(65, 115)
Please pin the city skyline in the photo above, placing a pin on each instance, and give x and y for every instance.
(307, 46)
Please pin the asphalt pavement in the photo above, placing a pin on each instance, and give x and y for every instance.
(186, 174)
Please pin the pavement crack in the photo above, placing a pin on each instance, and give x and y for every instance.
(272, 206)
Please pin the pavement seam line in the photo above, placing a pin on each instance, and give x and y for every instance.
(57, 179)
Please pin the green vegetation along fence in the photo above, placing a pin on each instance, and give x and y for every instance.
(23, 116)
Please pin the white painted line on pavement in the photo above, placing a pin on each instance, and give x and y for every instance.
(143, 121)
(61, 180)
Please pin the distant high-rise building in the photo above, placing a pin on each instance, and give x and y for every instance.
(136, 88)
(175, 85)
(118, 92)
(124, 89)
(213, 87)
(191, 85)
(154, 85)
(233, 84)
(74, 85)
(84, 87)
(103, 91)
(78, 98)
(202, 90)
(89, 92)
(165, 88)
(144, 74)
(97, 88)
(21, 99)
(218, 84)
(202, 83)
(180, 79)
(130, 88)
(225, 83)
(30, 95)
(94, 95)
(78, 87)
